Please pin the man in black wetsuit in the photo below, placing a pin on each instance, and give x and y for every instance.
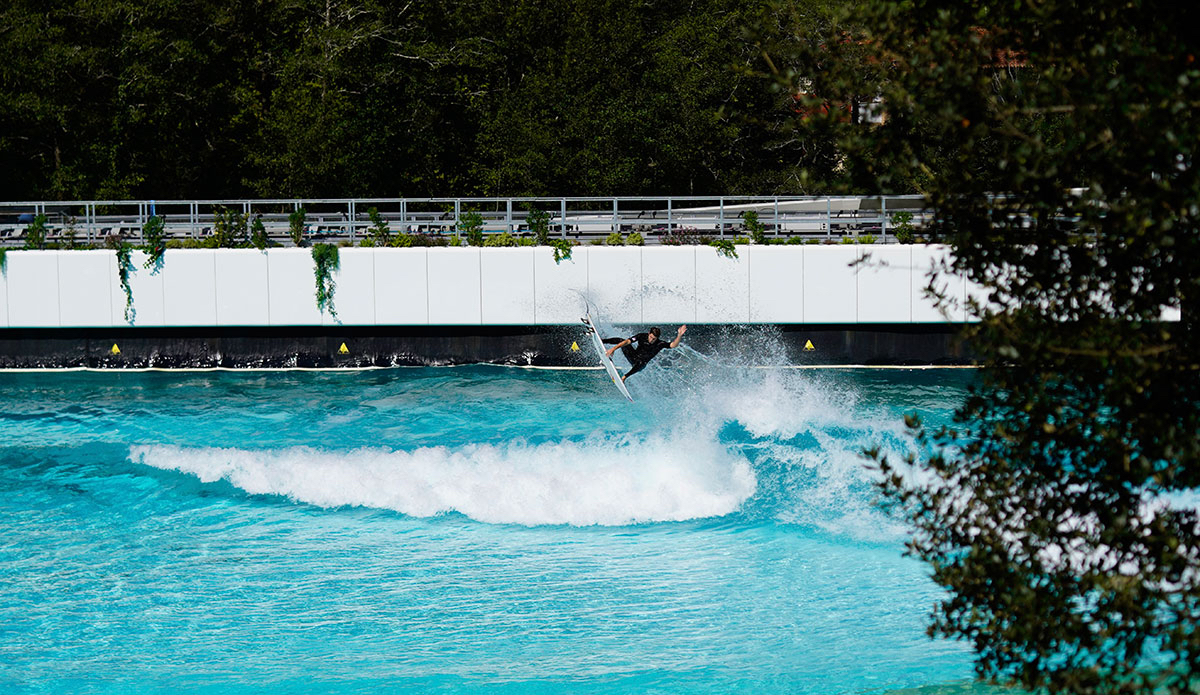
(648, 345)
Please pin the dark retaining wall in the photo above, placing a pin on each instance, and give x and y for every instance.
(383, 346)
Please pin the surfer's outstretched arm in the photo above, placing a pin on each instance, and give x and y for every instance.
(678, 337)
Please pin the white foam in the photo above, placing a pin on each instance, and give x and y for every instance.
(597, 482)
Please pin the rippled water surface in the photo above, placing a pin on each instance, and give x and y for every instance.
(461, 530)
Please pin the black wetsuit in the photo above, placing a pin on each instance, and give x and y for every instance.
(643, 353)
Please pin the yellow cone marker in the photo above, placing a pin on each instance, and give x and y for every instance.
(115, 350)
(574, 347)
(808, 345)
(343, 350)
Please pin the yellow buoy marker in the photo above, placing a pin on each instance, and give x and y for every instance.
(574, 347)
(343, 350)
(808, 345)
(115, 350)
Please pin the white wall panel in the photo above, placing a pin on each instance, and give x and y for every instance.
(85, 280)
(454, 286)
(885, 284)
(669, 284)
(401, 287)
(32, 289)
(830, 285)
(354, 298)
(615, 283)
(926, 259)
(507, 286)
(146, 284)
(468, 286)
(722, 286)
(559, 287)
(293, 288)
(776, 283)
(241, 288)
(189, 287)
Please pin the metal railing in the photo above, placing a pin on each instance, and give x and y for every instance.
(657, 219)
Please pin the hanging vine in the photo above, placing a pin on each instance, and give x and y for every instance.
(124, 268)
(156, 243)
(325, 260)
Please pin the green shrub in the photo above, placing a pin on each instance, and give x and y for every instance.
(229, 228)
(754, 228)
(470, 225)
(614, 239)
(325, 261)
(539, 225)
(741, 240)
(635, 239)
(848, 240)
(867, 239)
(258, 234)
(501, 239)
(813, 241)
(795, 240)
(69, 234)
(903, 228)
(35, 233)
(381, 233)
(296, 226)
(724, 247)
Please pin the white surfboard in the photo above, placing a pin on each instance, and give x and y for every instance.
(604, 359)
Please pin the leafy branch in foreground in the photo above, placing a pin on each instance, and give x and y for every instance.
(1057, 149)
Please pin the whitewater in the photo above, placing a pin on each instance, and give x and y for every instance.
(465, 529)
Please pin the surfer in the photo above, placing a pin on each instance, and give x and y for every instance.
(649, 345)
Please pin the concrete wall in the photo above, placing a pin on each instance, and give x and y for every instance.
(472, 286)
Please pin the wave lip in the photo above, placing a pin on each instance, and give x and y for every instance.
(602, 482)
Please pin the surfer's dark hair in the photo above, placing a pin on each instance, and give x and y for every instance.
(655, 332)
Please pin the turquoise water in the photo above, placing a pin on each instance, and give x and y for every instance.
(476, 529)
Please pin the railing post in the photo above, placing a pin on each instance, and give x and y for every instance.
(883, 222)
(776, 216)
(457, 212)
(562, 218)
(670, 216)
(828, 218)
(350, 220)
(404, 215)
(615, 224)
(721, 217)
(508, 215)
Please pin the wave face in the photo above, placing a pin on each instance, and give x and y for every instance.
(464, 530)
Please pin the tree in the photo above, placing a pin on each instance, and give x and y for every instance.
(1056, 143)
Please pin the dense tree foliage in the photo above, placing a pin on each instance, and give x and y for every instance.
(194, 98)
(1057, 144)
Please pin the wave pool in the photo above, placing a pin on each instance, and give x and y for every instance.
(462, 530)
